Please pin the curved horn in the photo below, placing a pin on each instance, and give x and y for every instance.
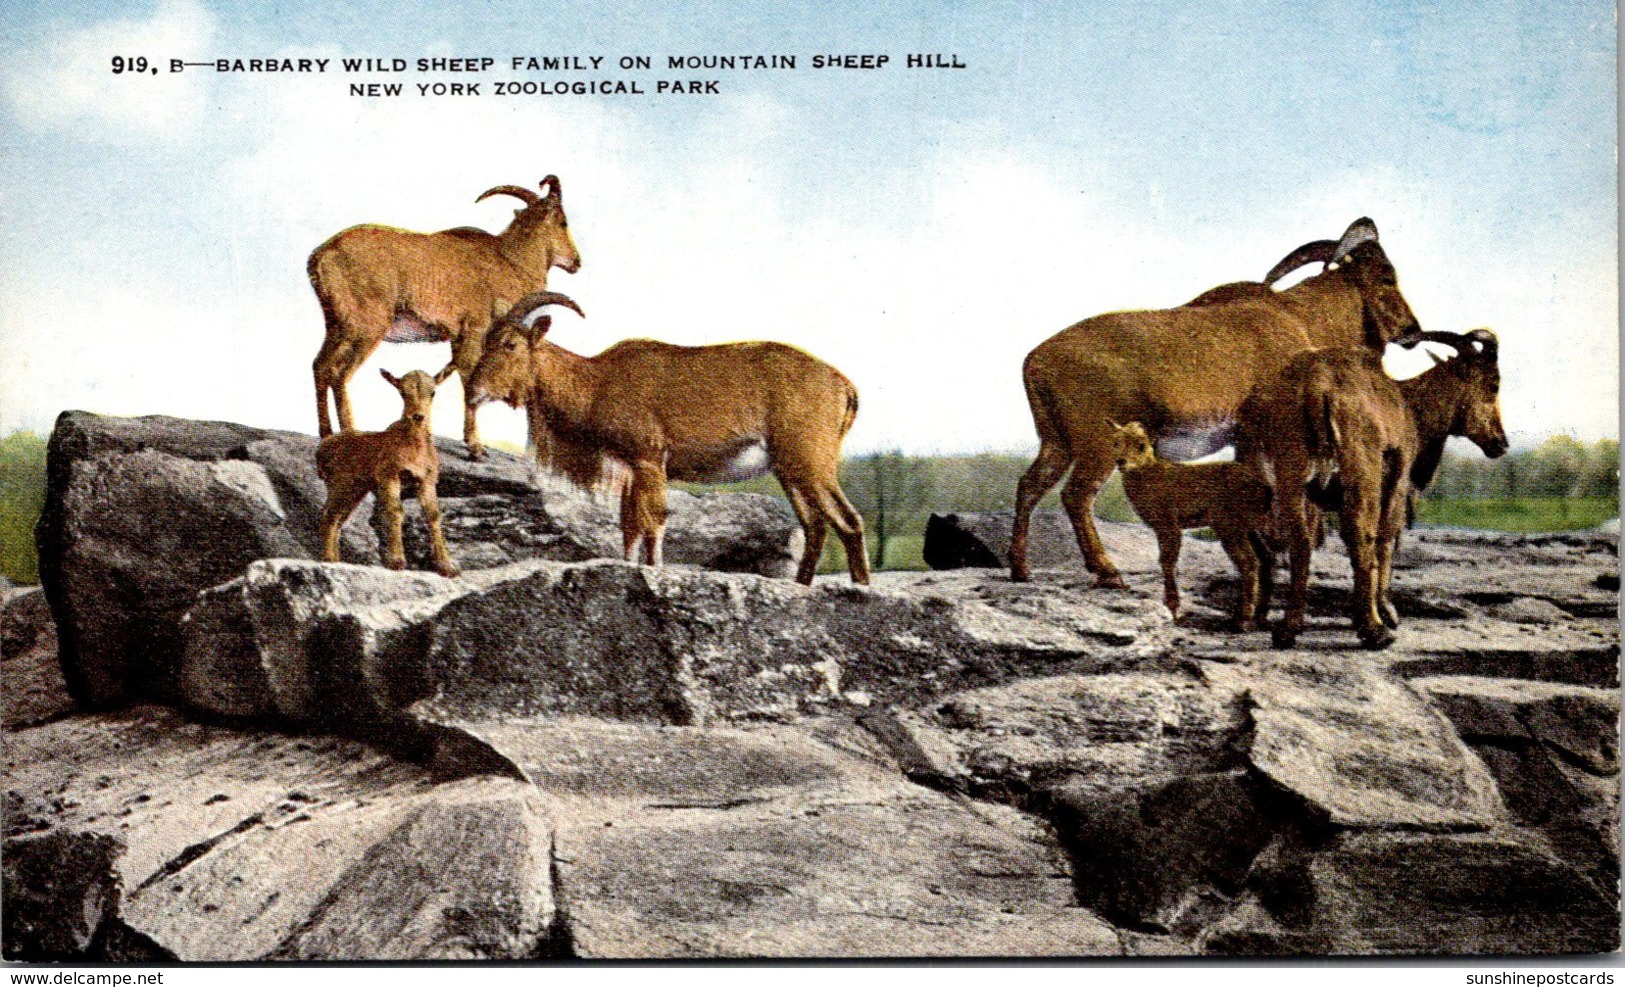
(1362, 230)
(523, 308)
(1463, 345)
(1486, 339)
(526, 195)
(552, 182)
(1317, 252)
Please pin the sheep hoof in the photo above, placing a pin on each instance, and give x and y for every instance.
(449, 571)
(1239, 627)
(1282, 638)
(397, 564)
(1376, 638)
(1020, 575)
(1110, 580)
(1389, 615)
(476, 453)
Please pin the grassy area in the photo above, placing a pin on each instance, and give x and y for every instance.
(1520, 514)
(22, 494)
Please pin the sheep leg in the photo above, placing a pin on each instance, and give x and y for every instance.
(1043, 474)
(1265, 553)
(815, 528)
(643, 513)
(849, 526)
(1291, 504)
(466, 356)
(1169, 541)
(1361, 521)
(341, 503)
(429, 500)
(1078, 497)
(348, 356)
(389, 502)
(1244, 556)
(1393, 526)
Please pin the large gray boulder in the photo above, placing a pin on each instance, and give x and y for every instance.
(142, 514)
(137, 835)
(32, 689)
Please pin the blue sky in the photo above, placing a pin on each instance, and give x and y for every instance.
(922, 230)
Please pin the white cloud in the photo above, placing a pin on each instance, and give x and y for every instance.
(927, 285)
(66, 79)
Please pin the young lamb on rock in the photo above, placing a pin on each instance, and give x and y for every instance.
(1231, 498)
(354, 464)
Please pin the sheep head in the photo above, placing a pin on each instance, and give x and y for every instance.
(541, 223)
(1131, 445)
(1358, 254)
(1476, 366)
(417, 391)
(505, 370)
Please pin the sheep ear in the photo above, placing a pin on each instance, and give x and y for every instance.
(1112, 424)
(1438, 361)
(539, 328)
(393, 380)
(446, 371)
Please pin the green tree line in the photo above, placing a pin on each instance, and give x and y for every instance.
(1561, 483)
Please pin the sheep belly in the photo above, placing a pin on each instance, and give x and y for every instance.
(1184, 441)
(408, 328)
(731, 465)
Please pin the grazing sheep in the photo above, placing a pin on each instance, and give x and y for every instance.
(380, 284)
(1338, 410)
(1231, 498)
(1184, 372)
(643, 412)
(354, 464)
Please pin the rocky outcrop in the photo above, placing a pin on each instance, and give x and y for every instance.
(594, 759)
(141, 514)
(32, 689)
(141, 832)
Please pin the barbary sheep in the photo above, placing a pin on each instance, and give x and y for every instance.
(354, 464)
(1231, 498)
(643, 412)
(1338, 410)
(380, 284)
(1184, 371)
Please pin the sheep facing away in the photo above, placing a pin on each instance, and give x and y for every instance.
(1338, 412)
(1231, 498)
(380, 284)
(354, 464)
(644, 412)
(1184, 371)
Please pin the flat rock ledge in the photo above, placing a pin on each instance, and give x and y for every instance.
(142, 514)
(236, 757)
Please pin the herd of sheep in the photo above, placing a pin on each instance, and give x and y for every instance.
(1293, 379)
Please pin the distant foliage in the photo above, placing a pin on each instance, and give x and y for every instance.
(22, 494)
(1559, 467)
(1560, 484)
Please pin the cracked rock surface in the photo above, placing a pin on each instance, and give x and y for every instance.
(583, 758)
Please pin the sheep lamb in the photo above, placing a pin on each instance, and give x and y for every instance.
(644, 412)
(354, 464)
(1231, 498)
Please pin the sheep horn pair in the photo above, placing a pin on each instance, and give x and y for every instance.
(1488, 345)
(525, 195)
(1324, 252)
(523, 308)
